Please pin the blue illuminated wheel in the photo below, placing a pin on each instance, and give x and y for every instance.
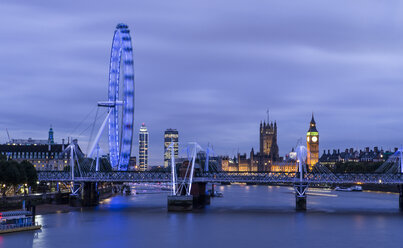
(121, 118)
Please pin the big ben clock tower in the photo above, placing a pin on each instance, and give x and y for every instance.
(312, 144)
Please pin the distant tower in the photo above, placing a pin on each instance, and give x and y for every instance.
(170, 135)
(312, 144)
(268, 141)
(143, 148)
(50, 136)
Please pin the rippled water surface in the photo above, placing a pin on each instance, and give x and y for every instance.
(247, 216)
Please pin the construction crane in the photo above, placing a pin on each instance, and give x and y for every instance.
(8, 134)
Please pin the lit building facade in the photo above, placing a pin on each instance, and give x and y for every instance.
(267, 159)
(312, 144)
(353, 155)
(43, 157)
(170, 135)
(43, 154)
(143, 148)
(268, 141)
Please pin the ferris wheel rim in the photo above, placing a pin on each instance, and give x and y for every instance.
(121, 134)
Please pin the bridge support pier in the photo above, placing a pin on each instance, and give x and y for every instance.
(87, 197)
(400, 186)
(300, 196)
(180, 203)
(300, 202)
(196, 200)
(200, 198)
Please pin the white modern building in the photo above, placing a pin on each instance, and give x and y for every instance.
(143, 148)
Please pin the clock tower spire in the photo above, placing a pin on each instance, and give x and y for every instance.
(312, 144)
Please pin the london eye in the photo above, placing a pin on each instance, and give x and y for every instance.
(120, 102)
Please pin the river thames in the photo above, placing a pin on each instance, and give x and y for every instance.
(247, 216)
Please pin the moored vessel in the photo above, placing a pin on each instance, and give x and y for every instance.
(17, 221)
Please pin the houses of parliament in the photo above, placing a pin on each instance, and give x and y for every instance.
(267, 158)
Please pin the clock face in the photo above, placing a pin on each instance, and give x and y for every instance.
(307, 138)
(314, 138)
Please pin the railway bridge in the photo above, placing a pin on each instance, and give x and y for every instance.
(85, 182)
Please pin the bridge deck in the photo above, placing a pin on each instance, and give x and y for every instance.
(222, 177)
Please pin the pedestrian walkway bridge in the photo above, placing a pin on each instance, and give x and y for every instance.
(188, 184)
(225, 177)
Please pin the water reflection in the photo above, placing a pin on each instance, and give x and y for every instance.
(246, 216)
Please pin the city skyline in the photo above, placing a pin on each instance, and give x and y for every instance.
(173, 123)
(212, 80)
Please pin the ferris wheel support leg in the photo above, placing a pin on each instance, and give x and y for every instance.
(97, 159)
(101, 129)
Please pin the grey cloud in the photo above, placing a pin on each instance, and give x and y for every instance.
(209, 69)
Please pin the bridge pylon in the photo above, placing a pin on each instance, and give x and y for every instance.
(300, 186)
(186, 194)
(300, 196)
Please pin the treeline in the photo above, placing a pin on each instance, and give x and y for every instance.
(13, 173)
(355, 167)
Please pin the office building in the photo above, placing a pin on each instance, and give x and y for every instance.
(143, 148)
(170, 135)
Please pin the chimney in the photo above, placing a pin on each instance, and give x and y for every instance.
(366, 149)
(376, 149)
(338, 151)
(62, 144)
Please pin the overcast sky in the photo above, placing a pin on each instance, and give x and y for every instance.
(209, 69)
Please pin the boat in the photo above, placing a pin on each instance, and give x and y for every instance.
(356, 188)
(342, 189)
(349, 189)
(17, 221)
(215, 193)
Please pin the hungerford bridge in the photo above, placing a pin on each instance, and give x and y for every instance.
(188, 183)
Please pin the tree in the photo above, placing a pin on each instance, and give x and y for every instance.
(30, 172)
(3, 157)
(13, 173)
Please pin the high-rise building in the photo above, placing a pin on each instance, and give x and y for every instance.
(143, 148)
(170, 135)
(268, 141)
(312, 144)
